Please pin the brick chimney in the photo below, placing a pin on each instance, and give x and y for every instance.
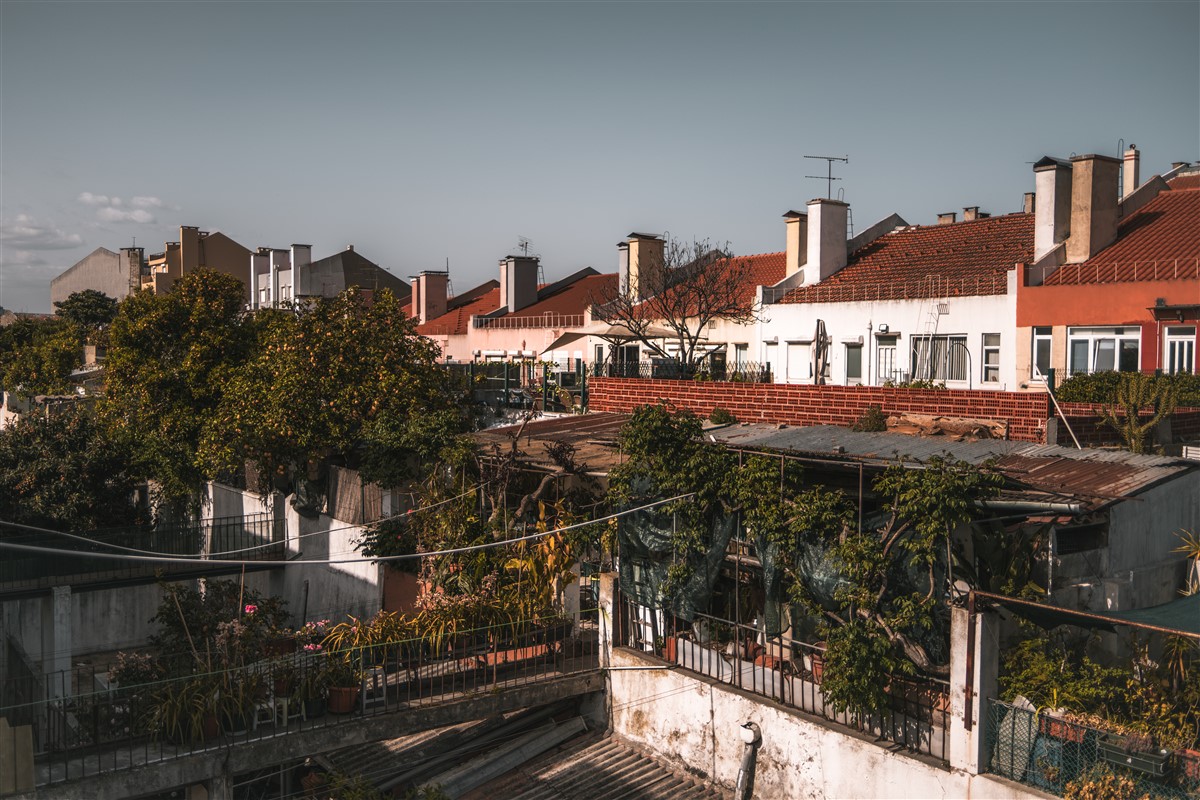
(1093, 206)
(948, 218)
(1030, 203)
(797, 241)
(1052, 204)
(1133, 163)
(429, 295)
(826, 239)
(971, 213)
(518, 282)
(642, 261)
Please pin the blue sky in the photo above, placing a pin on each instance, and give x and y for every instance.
(422, 132)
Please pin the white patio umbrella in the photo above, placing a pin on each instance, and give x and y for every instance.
(607, 331)
(820, 353)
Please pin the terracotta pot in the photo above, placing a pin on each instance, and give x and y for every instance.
(343, 699)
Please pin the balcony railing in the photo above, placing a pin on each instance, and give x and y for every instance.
(1114, 272)
(928, 287)
(513, 322)
(1049, 753)
(82, 726)
(669, 369)
(786, 671)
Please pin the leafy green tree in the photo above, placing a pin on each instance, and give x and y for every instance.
(338, 378)
(91, 310)
(64, 471)
(171, 359)
(43, 362)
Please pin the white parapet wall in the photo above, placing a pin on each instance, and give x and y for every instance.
(696, 722)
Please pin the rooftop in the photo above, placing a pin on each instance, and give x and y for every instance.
(921, 261)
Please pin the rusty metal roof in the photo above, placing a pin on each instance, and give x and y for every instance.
(592, 435)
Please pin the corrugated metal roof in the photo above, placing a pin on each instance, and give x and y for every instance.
(595, 767)
(588, 434)
(842, 443)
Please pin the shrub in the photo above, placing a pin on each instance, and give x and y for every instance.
(720, 416)
(873, 420)
(1101, 387)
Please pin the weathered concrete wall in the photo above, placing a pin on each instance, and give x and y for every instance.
(101, 269)
(697, 721)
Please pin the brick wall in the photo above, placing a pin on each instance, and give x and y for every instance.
(1091, 432)
(1025, 412)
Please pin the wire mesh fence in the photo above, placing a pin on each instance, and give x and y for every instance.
(1065, 758)
(672, 370)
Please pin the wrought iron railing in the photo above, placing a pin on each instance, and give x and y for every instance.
(788, 672)
(926, 288)
(669, 369)
(1060, 757)
(1114, 272)
(82, 726)
(515, 321)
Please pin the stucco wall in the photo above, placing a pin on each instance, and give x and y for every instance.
(697, 723)
(102, 270)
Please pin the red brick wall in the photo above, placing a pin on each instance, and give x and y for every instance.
(1025, 412)
(1085, 422)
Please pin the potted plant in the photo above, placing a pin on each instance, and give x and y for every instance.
(345, 684)
(1057, 723)
(186, 711)
(1135, 751)
(312, 689)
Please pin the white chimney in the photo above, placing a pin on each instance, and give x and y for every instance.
(280, 262)
(1133, 162)
(258, 265)
(429, 295)
(826, 239)
(797, 241)
(1093, 206)
(642, 264)
(1052, 205)
(947, 218)
(518, 282)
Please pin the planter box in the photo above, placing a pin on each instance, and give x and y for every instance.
(1058, 728)
(1111, 748)
(343, 699)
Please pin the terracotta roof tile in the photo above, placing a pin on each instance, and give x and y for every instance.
(1190, 180)
(458, 320)
(571, 300)
(1160, 241)
(962, 258)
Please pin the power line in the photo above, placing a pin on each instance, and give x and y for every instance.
(160, 559)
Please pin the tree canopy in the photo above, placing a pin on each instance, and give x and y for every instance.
(91, 310)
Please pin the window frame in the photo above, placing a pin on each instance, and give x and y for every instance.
(989, 350)
(1103, 344)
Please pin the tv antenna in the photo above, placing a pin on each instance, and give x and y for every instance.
(523, 246)
(828, 177)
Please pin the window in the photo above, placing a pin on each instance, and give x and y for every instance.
(1040, 363)
(599, 354)
(991, 358)
(939, 358)
(741, 355)
(885, 357)
(799, 361)
(1101, 349)
(771, 356)
(854, 364)
(1179, 353)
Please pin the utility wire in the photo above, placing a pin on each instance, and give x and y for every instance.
(240, 550)
(160, 559)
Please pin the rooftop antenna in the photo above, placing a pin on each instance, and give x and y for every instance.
(828, 178)
(523, 245)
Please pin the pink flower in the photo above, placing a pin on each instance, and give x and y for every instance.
(312, 648)
(250, 608)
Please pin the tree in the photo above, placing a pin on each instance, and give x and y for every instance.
(38, 356)
(90, 310)
(1135, 391)
(171, 359)
(65, 471)
(339, 378)
(687, 289)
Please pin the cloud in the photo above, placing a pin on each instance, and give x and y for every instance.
(24, 258)
(110, 208)
(138, 215)
(25, 233)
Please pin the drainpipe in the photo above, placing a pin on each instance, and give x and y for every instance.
(752, 739)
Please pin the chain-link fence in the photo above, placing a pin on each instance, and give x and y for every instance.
(1065, 758)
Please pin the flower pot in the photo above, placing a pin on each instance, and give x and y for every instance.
(314, 707)
(210, 726)
(343, 699)
(284, 686)
(1111, 748)
(1059, 728)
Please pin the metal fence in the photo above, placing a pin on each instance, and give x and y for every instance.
(87, 727)
(786, 671)
(1058, 756)
(71, 564)
(669, 369)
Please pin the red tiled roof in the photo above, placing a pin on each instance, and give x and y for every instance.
(766, 269)
(572, 299)
(1189, 181)
(456, 321)
(1160, 241)
(962, 258)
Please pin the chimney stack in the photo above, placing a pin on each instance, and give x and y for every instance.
(797, 241)
(642, 264)
(1093, 206)
(429, 295)
(260, 269)
(1133, 163)
(947, 218)
(826, 239)
(1052, 204)
(518, 282)
(1029, 205)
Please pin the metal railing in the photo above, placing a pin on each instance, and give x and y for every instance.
(669, 369)
(1113, 272)
(931, 286)
(788, 672)
(217, 535)
(84, 727)
(512, 322)
(1052, 754)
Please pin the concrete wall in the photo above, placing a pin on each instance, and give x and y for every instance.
(101, 269)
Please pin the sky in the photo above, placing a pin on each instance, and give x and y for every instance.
(435, 133)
